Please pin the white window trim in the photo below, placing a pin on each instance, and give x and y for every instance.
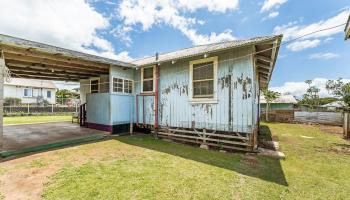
(132, 85)
(99, 83)
(215, 66)
(154, 82)
(31, 93)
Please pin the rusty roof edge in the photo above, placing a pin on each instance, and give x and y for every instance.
(51, 49)
(273, 37)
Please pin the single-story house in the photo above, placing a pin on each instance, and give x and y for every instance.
(333, 106)
(30, 91)
(187, 95)
(206, 95)
(283, 102)
(347, 29)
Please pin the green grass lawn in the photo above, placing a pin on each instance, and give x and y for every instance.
(36, 119)
(317, 166)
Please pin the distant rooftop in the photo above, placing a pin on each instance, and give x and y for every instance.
(31, 83)
(282, 99)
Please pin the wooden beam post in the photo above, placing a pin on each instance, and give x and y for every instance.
(346, 131)
(2, 70)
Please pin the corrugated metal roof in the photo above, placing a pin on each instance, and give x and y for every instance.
(335, 104)
(202, 49)
(18, 42)
(281, 99)
(31, 83)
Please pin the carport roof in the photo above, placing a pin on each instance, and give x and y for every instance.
(30, 59)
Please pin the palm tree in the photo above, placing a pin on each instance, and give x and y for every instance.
(269, 97)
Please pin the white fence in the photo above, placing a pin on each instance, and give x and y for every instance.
(329, 118)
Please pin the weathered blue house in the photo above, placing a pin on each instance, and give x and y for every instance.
(207, 95)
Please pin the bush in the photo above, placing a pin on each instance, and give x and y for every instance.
(11, 101)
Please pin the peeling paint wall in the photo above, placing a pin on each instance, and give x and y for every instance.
(236, 109)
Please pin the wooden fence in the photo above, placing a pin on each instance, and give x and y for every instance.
(328, 118)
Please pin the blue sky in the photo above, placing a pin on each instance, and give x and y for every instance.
(129, 29)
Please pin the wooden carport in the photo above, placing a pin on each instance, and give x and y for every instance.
(28, 59)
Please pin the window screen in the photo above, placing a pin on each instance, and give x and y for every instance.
(117, 85)
(127, 86)
(203, 80)
(148, 79)
(94, 86)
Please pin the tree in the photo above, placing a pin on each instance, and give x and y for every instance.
(269, 97)
(339, 89)
(311, 97)
(64, 94)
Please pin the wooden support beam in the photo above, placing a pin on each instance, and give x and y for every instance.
(263, 58)
(35, 60)
(21, 63)
(54, 57)
(45, 77)
(49, 74)
(263, 70)
(43, 70)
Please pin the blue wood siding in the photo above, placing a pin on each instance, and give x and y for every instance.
(236, 92)
(98, 108)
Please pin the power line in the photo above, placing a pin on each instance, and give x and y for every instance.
(232, 59)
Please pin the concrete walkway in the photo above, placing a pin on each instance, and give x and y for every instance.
(28, 135)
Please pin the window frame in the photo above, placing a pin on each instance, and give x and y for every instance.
(29, 89)
(153, 79)
(213, 99)
(123, 83)
(99, 82)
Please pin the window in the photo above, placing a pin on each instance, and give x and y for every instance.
(127, 86)
(117, 85)
(122, 85)
(147, 76)
(27, 92)
(48, 94)
(94, 86)
(203, 79)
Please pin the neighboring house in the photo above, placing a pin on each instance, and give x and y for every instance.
(347, 29)
(30, 91)
(333, 106)
(206, 94)
(284, 102)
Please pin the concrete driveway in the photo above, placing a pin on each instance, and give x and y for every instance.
(28, 135)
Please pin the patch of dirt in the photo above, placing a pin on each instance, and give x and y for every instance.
(341, 149)
(336, 130)
(26, 183)
(250, 160)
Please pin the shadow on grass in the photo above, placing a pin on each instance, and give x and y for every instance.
(265, 168)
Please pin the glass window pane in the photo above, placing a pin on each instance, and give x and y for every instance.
(148, 73)
(203, 89)
(203, 71)
(148, 86)
(94, 86)
(117, 85)
(127, 86)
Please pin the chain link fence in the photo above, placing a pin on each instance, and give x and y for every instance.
(61, 106)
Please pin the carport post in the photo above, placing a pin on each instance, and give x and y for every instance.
(2, 70)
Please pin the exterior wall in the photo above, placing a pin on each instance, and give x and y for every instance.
(98, 108)
(236, 109)
(17, 92)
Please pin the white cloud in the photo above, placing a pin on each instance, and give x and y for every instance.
(323, 56)
(292, 30)
(269, 4)
(72, 24)
(298, 89)
(305, 44)
(172, 13)
(273, 15)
